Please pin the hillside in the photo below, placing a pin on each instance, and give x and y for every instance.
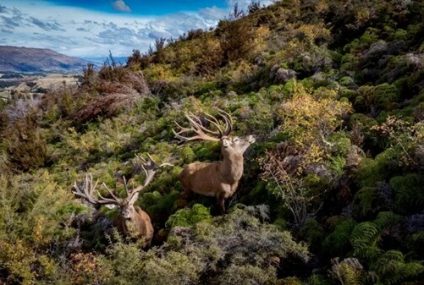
(331, 192)
(22, 59)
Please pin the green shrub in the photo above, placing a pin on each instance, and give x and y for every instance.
(364, 241)
(408, 193)
(313, 233)
(337, 243)
(380, 97)
(391, 268)
(189, 217)
(365, 202)
(26, 145)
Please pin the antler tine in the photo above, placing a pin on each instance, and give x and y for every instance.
(201, 132)
(183, 130)
(200, 125)
(150, 168)
(126, 186)
(88, 190)
(214, 121)
(84, 192)
(110, 192)
(228, 122)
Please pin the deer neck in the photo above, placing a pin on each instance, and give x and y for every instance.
(232, 167)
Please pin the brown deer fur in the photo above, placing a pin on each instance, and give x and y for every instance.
(218, 179)
(132, 220)
(136, 224)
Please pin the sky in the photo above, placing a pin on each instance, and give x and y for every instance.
(90, 28)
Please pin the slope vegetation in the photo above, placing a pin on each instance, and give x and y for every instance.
(332, 190)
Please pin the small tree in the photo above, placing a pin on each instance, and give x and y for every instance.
(135, 58)
(254, 6)
(237, 39)
(237, 12)
(295, 166)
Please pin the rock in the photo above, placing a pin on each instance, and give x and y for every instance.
(416, 60)
(376, 48)
(282, 75)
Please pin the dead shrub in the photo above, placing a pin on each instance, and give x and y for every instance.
(26, 147)
(103, 106)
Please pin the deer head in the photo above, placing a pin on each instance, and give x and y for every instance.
(88, 191)
(218, 129)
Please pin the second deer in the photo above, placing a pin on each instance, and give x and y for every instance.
(218, 179)
(132, 220)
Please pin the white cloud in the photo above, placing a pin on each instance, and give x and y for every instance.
(84, 33)
(120, 5)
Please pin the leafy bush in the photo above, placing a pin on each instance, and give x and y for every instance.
(189, 217)
(337, 243)
(25, 144)
(408, 193)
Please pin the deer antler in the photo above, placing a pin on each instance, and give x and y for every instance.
(149, 167)
(201, 131)
(87, 190)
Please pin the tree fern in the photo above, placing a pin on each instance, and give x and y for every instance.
(387, 219)
(364, 239)
(337, 243)
(409, 193)
(364, 201)
(392, 269)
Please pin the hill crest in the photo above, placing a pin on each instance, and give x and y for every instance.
(27, 60)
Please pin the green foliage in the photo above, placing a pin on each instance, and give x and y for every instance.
(25, 144)
(348, 271)
(247, 274)
(233, 248)
(316, 82)
(408, 192)
(337, 243)
(380, 97)
(32, 212)
(189, 217)
(237, 39)
(372, 171)
(313, 233)
(387, 219)
(392, 268)
(416, 244)
(364, 239)
(366, 202)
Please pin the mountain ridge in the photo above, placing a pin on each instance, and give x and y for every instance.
(27, 60)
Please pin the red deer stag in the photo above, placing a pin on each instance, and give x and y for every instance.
(220, 178)
(132, 220)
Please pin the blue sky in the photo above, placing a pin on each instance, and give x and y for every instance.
(142, 7)
(90, 28)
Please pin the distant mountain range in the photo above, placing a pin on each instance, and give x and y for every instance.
(29, 60)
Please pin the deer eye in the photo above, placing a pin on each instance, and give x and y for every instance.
(236, 140)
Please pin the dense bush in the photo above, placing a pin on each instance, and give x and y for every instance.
(331, 191)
